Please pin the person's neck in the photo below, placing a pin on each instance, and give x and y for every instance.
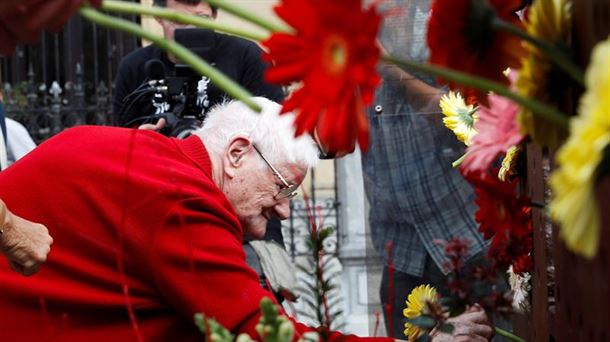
(216, 164)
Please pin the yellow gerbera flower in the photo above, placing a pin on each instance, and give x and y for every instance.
(416, 304)
(459, 117)
(574, 205)
(508, 162)
(548, 20)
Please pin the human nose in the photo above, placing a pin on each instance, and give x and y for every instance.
(282, 209)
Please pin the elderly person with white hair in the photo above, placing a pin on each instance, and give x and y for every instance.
(148, 229)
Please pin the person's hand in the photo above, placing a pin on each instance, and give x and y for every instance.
(26, 244)
(472, 325)
(22, 21)
(154, 127)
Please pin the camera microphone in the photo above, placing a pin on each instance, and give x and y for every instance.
(154, 69)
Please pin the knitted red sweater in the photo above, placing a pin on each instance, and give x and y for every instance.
(144, 239)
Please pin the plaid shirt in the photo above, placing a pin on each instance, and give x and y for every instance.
(416, 198)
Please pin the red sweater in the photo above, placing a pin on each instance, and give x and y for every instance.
(144, 239)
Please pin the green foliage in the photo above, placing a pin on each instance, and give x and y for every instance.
(424, 322)
(319, 285)
(213, 331)
(272, 327)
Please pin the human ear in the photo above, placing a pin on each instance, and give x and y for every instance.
(238, 147)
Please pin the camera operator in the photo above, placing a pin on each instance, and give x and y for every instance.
(239, 59)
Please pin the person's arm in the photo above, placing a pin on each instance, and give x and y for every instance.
(26, 244)
(412, 84)
(198, 266)
(420, 95)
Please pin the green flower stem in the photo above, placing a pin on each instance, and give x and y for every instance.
(458, 161)
(554, 54)
(182, 53)
(538, 108)
(508, 335)
(179, 17)
(240, 12)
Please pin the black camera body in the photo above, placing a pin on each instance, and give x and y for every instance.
(182, 99)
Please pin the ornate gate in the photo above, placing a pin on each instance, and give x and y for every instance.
(66, 79)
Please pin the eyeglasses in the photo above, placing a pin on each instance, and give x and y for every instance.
(286, 190)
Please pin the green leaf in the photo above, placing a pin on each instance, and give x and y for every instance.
(200, 322)
(217, 332)
(425, 322)
(447, 328)
(325, 233)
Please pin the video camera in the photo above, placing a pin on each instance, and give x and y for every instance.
(182, 99)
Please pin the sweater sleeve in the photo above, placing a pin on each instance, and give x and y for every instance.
(198, 265)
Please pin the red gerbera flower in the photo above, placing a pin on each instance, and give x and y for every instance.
(504, 218)
(461, 37)
(332, 51)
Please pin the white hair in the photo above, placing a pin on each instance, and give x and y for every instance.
(272, 133)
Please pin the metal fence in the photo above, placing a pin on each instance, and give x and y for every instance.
(46, 110)
(66, 79)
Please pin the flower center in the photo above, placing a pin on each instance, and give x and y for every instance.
(334, 54)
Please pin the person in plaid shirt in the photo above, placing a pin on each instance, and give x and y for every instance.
(416, 197)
